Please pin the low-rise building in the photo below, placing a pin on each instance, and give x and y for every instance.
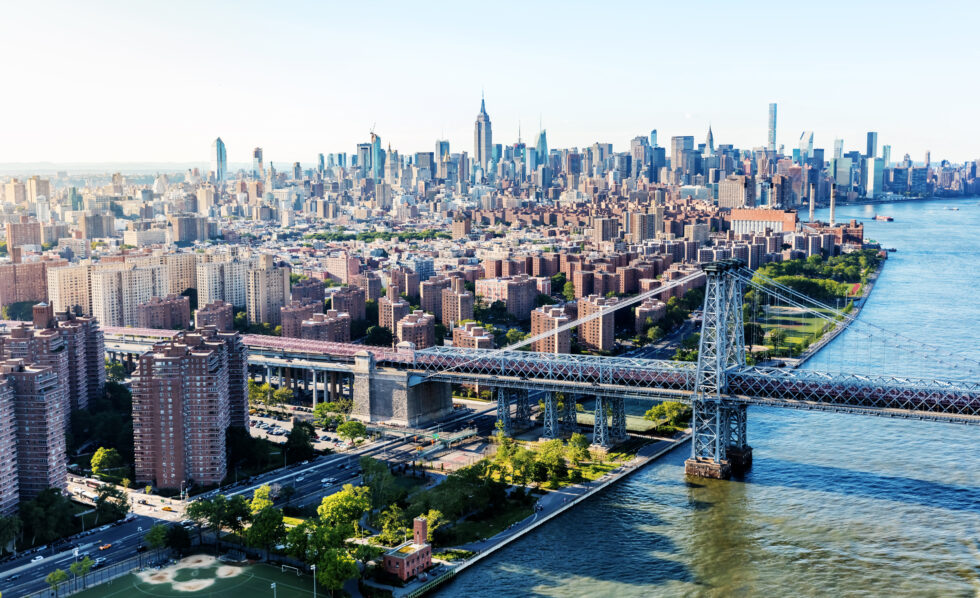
(411, 558)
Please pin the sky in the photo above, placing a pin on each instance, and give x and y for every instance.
(102, 81)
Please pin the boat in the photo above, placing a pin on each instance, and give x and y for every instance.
(881, 218)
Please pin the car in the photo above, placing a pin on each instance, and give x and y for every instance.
(106, 546)
(98, 562)
(167, 509)
(325, 481)
(10, 578)
(187, 523)
(105, 528)
(143, 501)
(300, 478)
(305, 463)
(37, 559)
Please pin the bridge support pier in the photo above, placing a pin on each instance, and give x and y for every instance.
(569, 417)
(600, 428)
(522, 414)
(618, 431)
(551, 427)
(709, 441)
(503, 411)
(739, 452)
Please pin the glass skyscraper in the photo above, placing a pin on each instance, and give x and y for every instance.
(219, 160)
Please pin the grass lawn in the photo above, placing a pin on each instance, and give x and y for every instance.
(634, 423)
(213, 580)
(471, 531)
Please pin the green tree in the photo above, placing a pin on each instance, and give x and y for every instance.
(9, 530)
(569, 290)
(551, 454)
(352, 430)
(157, 536)
(267, 529)
(105, 459)
(178, 539)
(114, 371)
(394, 523)
(261, 499)
(578, 448)
(655, 333)
(79, 569)
(110, 503)
(514, 336)
(299, 443)
(334, 567)
(345, 507)
(237, 513)
(558, 281)
(326, 415)
(434, 519)
(522, 464)
(777, 336)
(280, 397)
(377, 476)
(55, 579)
(378, 336)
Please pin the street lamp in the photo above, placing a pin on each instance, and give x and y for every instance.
(273, 586)
(314, 580)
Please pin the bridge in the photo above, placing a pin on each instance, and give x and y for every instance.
(411, 386)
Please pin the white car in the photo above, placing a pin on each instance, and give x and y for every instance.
(300, 478)
(37, 558)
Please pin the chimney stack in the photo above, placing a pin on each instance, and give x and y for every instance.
(833, 201)
(420, 530)
(812, 194)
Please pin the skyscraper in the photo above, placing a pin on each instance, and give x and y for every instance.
(838, 149)
(377, 158)
(709, 142)
(772, 127)
(219, 160)
(542, 149)
(258, 170)
(886, 155)
(653, 138)
(482, 137)
(872, 149)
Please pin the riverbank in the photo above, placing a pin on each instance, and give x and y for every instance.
(841, 326)
(549, 506)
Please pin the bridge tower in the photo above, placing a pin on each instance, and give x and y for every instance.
(551, 427)
(600, 427)
(503, 411)
(522, 412)
(718, 445)
(569, 416)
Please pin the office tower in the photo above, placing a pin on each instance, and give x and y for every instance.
(678, 145)
(258, 168)
(597, 333)
(874, 177)
(418, 328)
(806, 146)
(36, 189)
(39, 412)
(442, 150)
(267, 290)
(219, 160)
(872, 149)
(541, 150)
(297, 171)
(886, 155)
(838, 149)
(377, 158)
(482, 137)
(653, 138)
(771, 146)
(709, 142)
(736, 191)
(182, 406)
(321, 165)
(546, 319)
(928, 158)
(363, 158)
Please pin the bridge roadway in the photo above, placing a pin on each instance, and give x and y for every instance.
(928, 399)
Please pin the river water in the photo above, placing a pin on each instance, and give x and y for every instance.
(835, 505)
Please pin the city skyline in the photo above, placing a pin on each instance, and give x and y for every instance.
(186, 79)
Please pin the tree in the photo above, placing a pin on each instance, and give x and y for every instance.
(514, 336)
(237, 513)
(558, 281)
(434, 519)
(157, 536)
(377, 476)
(345, 507)
(105, 459)
(522, 464)
(9, 530)
(378, 336)
(110, 503)
(655, 333)
(126, 482)
(351, 430)
(114, 371)
(79, 569)
(55, 579)
(267, 529)
(543, 299)
(393, 522)
(326, 415)
(299, 443)
(261, 499)
(578, 448)
(334, 567)
(280, 397)
(551, 455)
(569, 290)
(178, 539)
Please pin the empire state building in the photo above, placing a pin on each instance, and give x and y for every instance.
(482, 137)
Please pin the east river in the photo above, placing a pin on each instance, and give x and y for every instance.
(835, 505)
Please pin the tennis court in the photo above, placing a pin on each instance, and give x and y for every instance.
(204, 576)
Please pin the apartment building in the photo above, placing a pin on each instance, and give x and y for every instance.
(547, 319)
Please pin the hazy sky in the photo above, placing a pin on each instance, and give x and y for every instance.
(157, 81)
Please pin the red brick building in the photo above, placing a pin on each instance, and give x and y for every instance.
(411, 558)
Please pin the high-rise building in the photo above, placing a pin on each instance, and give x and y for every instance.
(457, 304)
(332, 327)
(549, 318)
(267, 290)
(838, 149)
(26, 231)
(417, 328)
(517, 292)
(482, 137)
(116, 292)
(258, 169)
(186, 393)
(168, 313)
(351, 300)
(872, 149)
(219, 160)
(9, 485)
(390, 311)
(221, 281)
(220, 315)
(886, 155)
(377, 158)
(431, 295)
(771, 145)
(292, 317)
(471, 336)
(596, 334)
